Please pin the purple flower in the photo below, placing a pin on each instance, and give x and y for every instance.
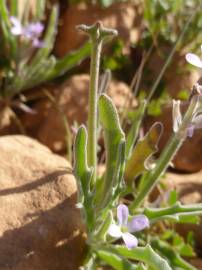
(195, 123)
(125, 227)
(194, 59)
(32, 31)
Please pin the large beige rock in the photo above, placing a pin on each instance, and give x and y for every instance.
(8, 122)
(40, 228)
(121, 16)
(72, 102)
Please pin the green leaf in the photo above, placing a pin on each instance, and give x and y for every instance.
(144, 149)
(14, 8)
(83, 174)
(116, 261)
(186, 250)
(69, 61)
(134, 130)
(115, 144)
(143, 254)
(48, 40)
(176, 213)
(81, 169)
(40, 9)
(5, 23)
(172, 197)
(171, 254)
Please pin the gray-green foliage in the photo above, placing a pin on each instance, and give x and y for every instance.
(166, 19)
(23, 67)
(98, 199)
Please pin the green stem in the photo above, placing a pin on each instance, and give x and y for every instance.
(98, 33)
(92, 115)
(151, 178)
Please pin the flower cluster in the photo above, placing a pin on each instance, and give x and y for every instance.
(31, 32)
(125, 227)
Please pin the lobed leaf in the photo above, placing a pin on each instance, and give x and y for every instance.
(143, 254)
(144, 149)
(176, 212)
(173, 256)
(116, 261)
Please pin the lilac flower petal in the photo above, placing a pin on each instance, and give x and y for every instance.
(198, 122)
(38, 44)
(17, 28)
(138, 223)
(130, 240)
(114, 231)
(194, 59)
(190, 131)
(33, 30)
(122, 214)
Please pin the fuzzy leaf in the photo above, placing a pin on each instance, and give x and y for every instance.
(115, 142)
(81, 169)
(116, 261)
(5, 23)
(177, 213)
(69, 61)
(143, 254)
(173, 257)
(83, 175)
(144, 149)
(49, 38)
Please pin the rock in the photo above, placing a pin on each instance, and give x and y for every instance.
(197, 263)
(176, 77)
(121, 16)
(72, 101)
(189, 156)
(189, 189)
(40, 228)
(8, 124)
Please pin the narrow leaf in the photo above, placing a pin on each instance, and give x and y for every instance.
(143, 254)
(116, 261)
(69, 61)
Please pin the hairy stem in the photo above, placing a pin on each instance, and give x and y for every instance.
(92, 115)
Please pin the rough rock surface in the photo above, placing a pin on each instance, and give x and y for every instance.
(189, 156)
(189, 188)
(72, 100)
(121, 16)
(40, 228)
(197, 263)
(7, 123)
(176, 77)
